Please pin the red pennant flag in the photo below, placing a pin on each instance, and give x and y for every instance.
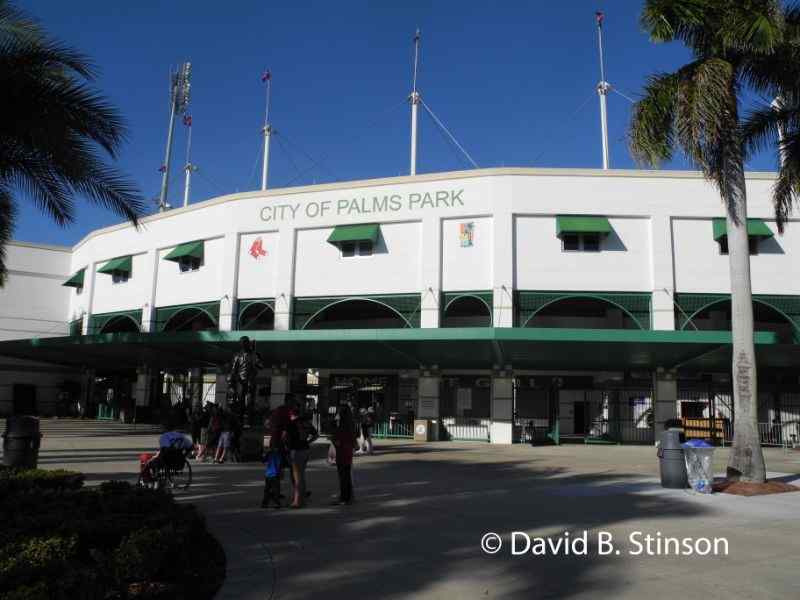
(162, 168)
(187, 120)
(600, 16)
(266, 76)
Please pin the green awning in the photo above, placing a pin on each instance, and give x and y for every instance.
(123, 264)
(582, 224)
(189, 249)
(355, 233)
(76, 280)
(755, 228)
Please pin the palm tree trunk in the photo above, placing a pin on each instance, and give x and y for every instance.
(746, 462)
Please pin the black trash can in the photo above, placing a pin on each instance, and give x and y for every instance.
(671, 461)
(21, 441)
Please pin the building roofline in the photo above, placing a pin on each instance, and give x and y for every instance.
(38, 246)
(406, 179)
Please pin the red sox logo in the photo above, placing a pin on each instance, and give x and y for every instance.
(257, 249)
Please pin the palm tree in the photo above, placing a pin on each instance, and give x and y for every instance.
(737, 46)
(54, 129)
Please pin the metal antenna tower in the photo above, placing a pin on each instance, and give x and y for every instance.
(267, 129)
(414, 98)
(179, 84)
(603, 88)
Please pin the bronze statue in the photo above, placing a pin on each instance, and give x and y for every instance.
(242, 378)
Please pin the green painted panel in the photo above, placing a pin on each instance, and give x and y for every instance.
(165, 313)
(189, 249)
(99, 321)
(487, 297)
(243, 305)
(123, 264)
(755, 228)
(637, 305)
(76, 327)
(582, 224)
(406, 305)
(691, 304)
(355, 233)
(76, 280)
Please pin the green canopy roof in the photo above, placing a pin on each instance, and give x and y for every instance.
(755, 228)
(473, 348)
(189, 249)
(76, 280)
(123, 264)
(355, 233)
(582, 224)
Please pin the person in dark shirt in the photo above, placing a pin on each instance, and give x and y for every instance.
(300, 435)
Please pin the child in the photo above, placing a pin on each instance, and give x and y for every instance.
(272, 478)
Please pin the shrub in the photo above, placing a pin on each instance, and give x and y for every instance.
(60, 541)
(17, 480)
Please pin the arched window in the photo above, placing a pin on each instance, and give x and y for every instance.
(257, 316)
(467, 311)
(190, 319)
(356, 314)
(583, 313)
(717, 317)
(120, 324)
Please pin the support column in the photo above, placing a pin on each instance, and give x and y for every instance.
(88, 289)
(221, 388)
(431, 272)
(503, 255)
(502, 409)
(284, 279)
(663, 274)
(230, 274)
(428, 389)
(665, 401)
(149, 308)
(280, 385)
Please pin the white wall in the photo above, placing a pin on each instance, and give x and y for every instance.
(256, 272)
(33, 303)
(700, 268)
(130, 295)
(203, 285)
(622, 265)
(468, 268)
(393, 268)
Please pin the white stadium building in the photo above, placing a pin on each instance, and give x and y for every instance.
(503, 305)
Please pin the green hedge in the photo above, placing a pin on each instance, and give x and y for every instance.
(16, 480)
(59, 541)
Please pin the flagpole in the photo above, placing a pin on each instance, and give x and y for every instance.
(414, 98)
(602, 91)
(267, 131)
(189, 166)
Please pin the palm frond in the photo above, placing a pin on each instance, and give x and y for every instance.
(787, 186)
(651, 133)
(8, 215)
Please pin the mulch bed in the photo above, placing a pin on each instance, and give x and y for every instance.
(741, 488)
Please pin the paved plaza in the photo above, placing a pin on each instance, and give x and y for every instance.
(422, 509)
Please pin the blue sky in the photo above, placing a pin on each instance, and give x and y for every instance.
(515, 83)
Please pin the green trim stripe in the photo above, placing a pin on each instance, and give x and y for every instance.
(355, 233)
(76, 280)
(123, 264)
(755, 228)
(189, 249)
(582, 224)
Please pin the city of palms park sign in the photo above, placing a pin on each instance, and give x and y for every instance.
(364, 205)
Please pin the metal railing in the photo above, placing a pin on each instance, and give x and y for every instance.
(464, 428)
(778, 435)
(393, 428)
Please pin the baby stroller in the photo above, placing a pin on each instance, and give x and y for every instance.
(168, 470)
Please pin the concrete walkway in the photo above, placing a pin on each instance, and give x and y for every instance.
(422, 510)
